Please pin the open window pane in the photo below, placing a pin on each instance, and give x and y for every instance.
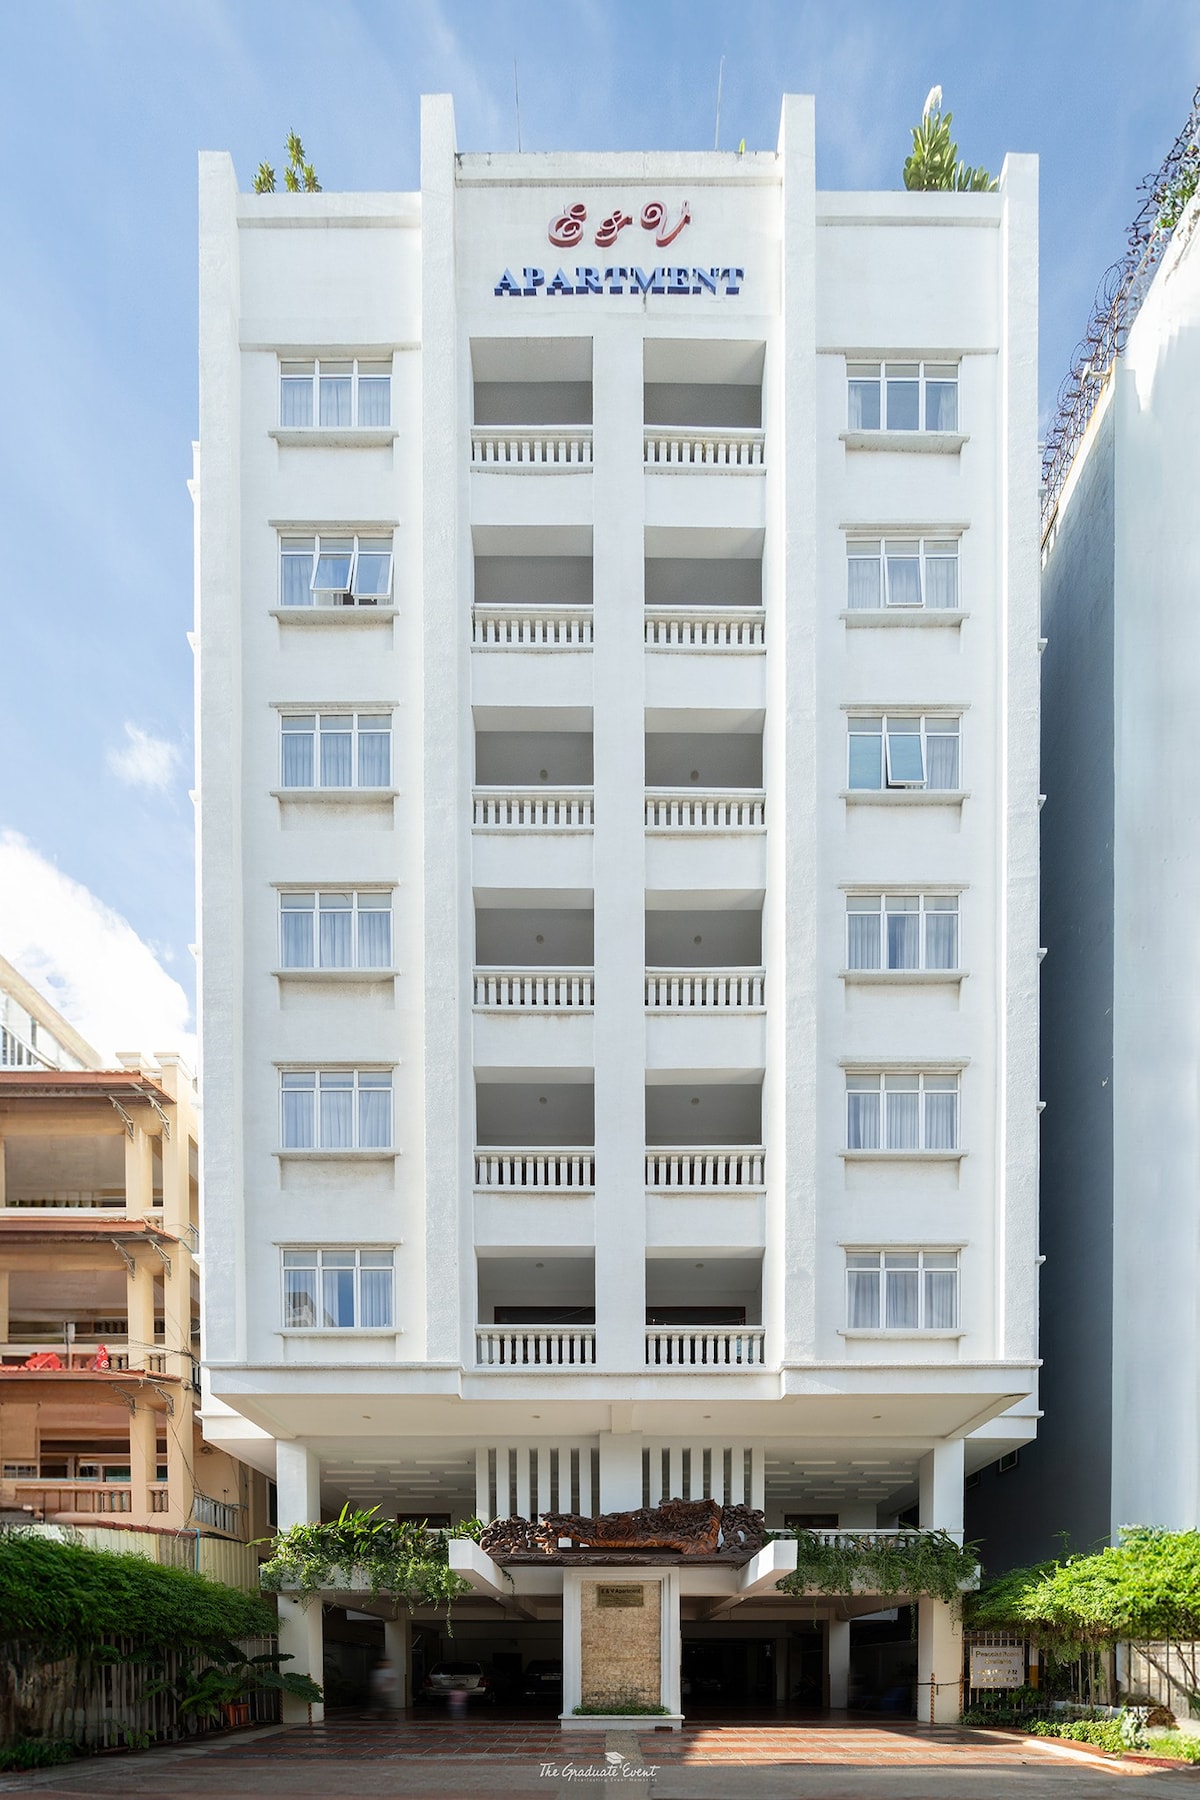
(332, 572)
(905, 761)
(373, 574)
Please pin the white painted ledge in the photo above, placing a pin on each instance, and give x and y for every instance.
(339, 617)
(334, 437)
(908, 617)
(927, 443)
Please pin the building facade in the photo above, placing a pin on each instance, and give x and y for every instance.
(99, 1293)
(617, 694)
(1121, 1041)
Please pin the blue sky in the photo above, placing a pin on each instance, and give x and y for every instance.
(103, 107)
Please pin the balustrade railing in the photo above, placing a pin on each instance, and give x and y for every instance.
(535, 1346)
(15, 1053)
(219, 1515)
(688, 990)
(533, 809)
(705, 1346)
(682, 809)
(81, 1356)
(69, 1200)
(531, 447)
(712, 1169)
(685, 447)
(536, 1171)
(705, 628)
(531, 628)
(98, 1497)
(534, 990)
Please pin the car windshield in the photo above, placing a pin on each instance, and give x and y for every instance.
(456, 1668)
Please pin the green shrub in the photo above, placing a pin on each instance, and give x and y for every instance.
(69, 1598)
(406, 1561)
(1105, 1734)
(35, 1753)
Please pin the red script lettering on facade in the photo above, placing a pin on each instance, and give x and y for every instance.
(566, 230)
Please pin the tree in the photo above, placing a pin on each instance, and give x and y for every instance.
(298, 177)
(933, 165)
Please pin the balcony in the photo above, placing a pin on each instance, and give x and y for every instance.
(685, 809)
(559, 1171)
(217, 1515)
(535, 1347)
(693, 449)
(532, 404)
(531, 627)
(703, 771)
(736, 1347)
(535, 1135)
(704, 1135)
(711, 1169)
(101, 1499)
(534, 990)
(702, 405)
(692, 990)
(545, 448)
(705, 628)
(532, 809)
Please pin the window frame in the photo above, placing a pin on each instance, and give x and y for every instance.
(355, 784)
(888, 783)
(355, 909)
(915, 1261)
(363, 544)
(856, 552)
(888, 1117)
(923, 912)
(335, 372)
(335, 1082)
(317, 1266)
(859, 372)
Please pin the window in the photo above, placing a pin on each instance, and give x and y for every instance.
(327, 570)
(903, 750)
(902, 396)
(336, 1109)
(330, 394)
(337, 1290)
(902, 931)
(335, 931)
(902, 1290)
(901, 572)
(336, 750)
(901, 1112)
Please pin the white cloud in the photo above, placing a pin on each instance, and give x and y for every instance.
(86, 959)
(144, 760)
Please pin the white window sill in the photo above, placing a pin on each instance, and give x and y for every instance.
(335, 975)
(914, 1336)
(335, 437)
(338, 616)
(902, 977)
(902, 1156)
(338, 1156)
(335, 796)
(860, 617)
(904, 796)
(935, 443)
(339, 1331)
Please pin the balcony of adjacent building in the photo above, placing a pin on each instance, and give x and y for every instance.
(533, 797)
(533, 977)
(703, 420)
(705, 981)
(531, 614)
(532, 415)
(705, 809)
(535, 1311)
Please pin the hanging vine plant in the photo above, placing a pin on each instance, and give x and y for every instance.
(890, 1564)
(359, 1551)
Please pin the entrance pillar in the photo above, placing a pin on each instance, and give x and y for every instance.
(838, 1643)
(939, 1625)
(621, 1641)
(397, 1644)
(301, 1628)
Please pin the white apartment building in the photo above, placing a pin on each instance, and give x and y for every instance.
(618, 682)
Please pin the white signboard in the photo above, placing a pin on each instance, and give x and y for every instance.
(997, 1666)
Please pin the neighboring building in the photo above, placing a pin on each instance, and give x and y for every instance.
(99, 1298)
(618, 704)
(1121, 876)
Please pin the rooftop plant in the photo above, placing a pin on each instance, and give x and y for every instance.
(298, 177)
(933, 164)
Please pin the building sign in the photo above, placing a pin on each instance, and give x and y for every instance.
(997, 1666)
(620, 1593)
(568, 229)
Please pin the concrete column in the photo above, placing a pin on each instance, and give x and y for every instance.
(837, 1642)
(620, 1471)
(143, 1462)
(3, 1301)
(397, 1645)
(139, 1173)
(939, 1663)
(139, 1307)
(177, 1312)
(301, 1628)
(941, 1488)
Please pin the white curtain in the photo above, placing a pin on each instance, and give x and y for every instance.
(375, 1118)
(941, 940)
(863, 584)
(374, 400)
(941, 1299)
(299, 1298)
(295, 402)
(903, 1119)
(296, 934)
(297, 1119)
(941, 1120)
(863, 410)
(862, 940)
(297, 759)
(337, 1113)
(374, 758)
(941, 760)
(337, 935)
(941, 406)
(335, 400)
(375, 1293)
(862, 1121)
(941, 583)
(903, 934)
(295, 580)
(374, 939)
(904, 581)
(902, 1289)
(337, 1296)
(862, 1299)
(337, 759)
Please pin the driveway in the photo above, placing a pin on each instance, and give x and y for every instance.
(448, 1760)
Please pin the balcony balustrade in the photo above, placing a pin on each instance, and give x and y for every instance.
(705, 628)
(531, 627)
(103, 1498)
(538, 447)
(218, 1515)
(549, 1171)
(533, 809)
(705, 1347)
(735, 1168)
(72, 1200)
(726, 809)
(689, 990)
(83, 1353)
(15, 1053)
(534, 990)
(535, 1346)
(688, 448)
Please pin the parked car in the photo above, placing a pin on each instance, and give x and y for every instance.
(448, 1678)
(542, 1680)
